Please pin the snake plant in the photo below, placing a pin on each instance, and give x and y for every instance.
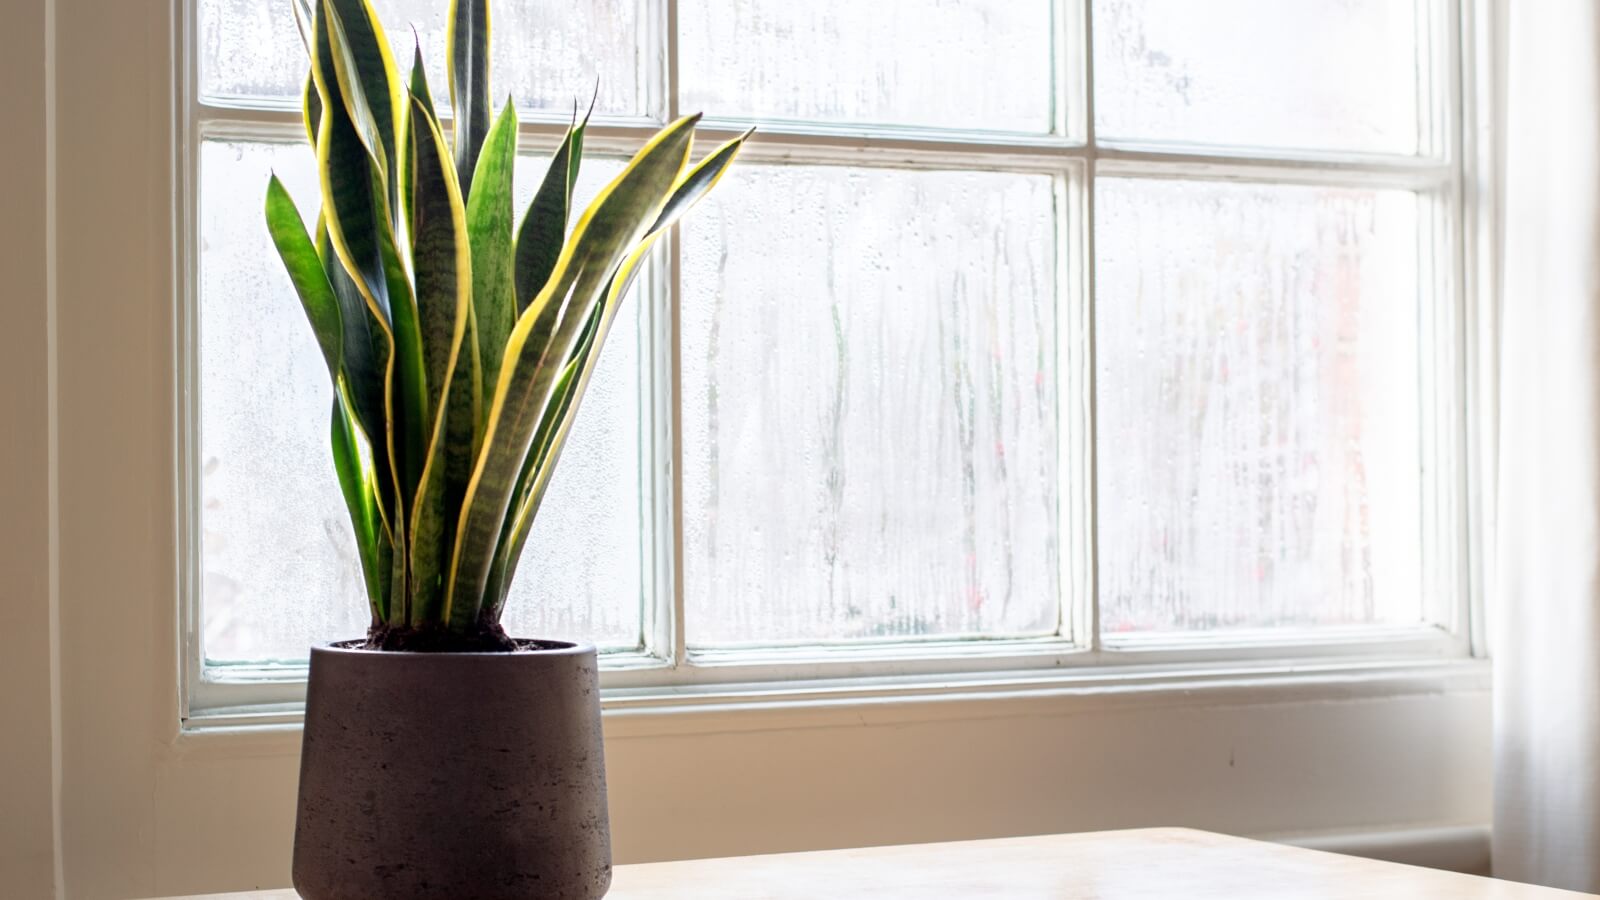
(458, 341)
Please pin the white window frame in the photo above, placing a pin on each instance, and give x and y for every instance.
(1457, 315)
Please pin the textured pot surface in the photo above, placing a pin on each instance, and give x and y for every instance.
(457, 776)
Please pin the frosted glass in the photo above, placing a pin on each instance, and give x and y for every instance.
(1258, 407)
(869, 407)
(1325, 74)
(546, 53)
(278, 561)
(981, 64)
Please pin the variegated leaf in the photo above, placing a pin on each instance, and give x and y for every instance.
(467, 44)
(369, 84)
(544, 225)
(556, 422)
(542, 342)
(352, 462)
(443, 260)
(489, 224)
(305, 269)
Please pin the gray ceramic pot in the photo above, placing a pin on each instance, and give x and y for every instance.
(455, 776)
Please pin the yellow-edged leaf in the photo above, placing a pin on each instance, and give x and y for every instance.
(541, 344)
(353, 205)
(369, 84)
(352, 463)
(443, 260)
(551, 436)
(305, 270)
(467, 45)
(489, 224)
(544, 225)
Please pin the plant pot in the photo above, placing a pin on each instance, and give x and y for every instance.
(456, 776)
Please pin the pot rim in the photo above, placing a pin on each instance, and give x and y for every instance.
(560, 648)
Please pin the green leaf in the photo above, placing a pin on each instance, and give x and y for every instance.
(541, 345)
(442, 256)
(418, 90)
(551, 436)
(397, 606)
(359, 225)
(544, 225)
(441, 253)
(310, 108)
(445, 485)
(489, 224)
(547, 440)
(353, 205)
(467, 45)
(310, 280)
(369, 84)
(364, 353)
(352, 462)
(419, 83)
(355, 229)
(352, 457)
(554, 425)
(410, 415)
(699, 181)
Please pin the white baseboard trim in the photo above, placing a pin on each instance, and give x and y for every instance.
(1455, 848)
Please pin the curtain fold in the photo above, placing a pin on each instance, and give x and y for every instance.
(1545, 633)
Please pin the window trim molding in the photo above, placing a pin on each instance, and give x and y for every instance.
(1454, 165)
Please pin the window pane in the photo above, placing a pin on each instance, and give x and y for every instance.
(936, 63)
(1327, 74)
(869, 410)
(546, 53)
(278, 560)
(1258, 405)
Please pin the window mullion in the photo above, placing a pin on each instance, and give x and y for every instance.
(1087, 547)
(1439, 368)
(1474, 79)
(1075, 403)
(1334, 170)
(670, 602)
(669, 45)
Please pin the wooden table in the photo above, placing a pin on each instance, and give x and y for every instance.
(1150, 864)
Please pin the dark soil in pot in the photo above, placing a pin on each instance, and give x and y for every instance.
(487, 639)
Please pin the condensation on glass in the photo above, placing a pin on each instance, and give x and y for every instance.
(869, 406)
(1309, 74)
(548, 54)
(1258, 408)
(971, 64)
(278, 563)
(868, 414)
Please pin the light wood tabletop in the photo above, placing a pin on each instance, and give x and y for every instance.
(1106, 865)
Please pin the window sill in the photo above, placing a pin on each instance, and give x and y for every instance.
(689, 709)
(889, 700)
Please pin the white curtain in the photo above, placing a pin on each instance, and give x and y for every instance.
(1546, 609)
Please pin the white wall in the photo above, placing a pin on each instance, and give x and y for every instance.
(26, 845)
(1321, 759)
(146, 811)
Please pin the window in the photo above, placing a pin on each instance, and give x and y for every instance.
(1026, 334)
